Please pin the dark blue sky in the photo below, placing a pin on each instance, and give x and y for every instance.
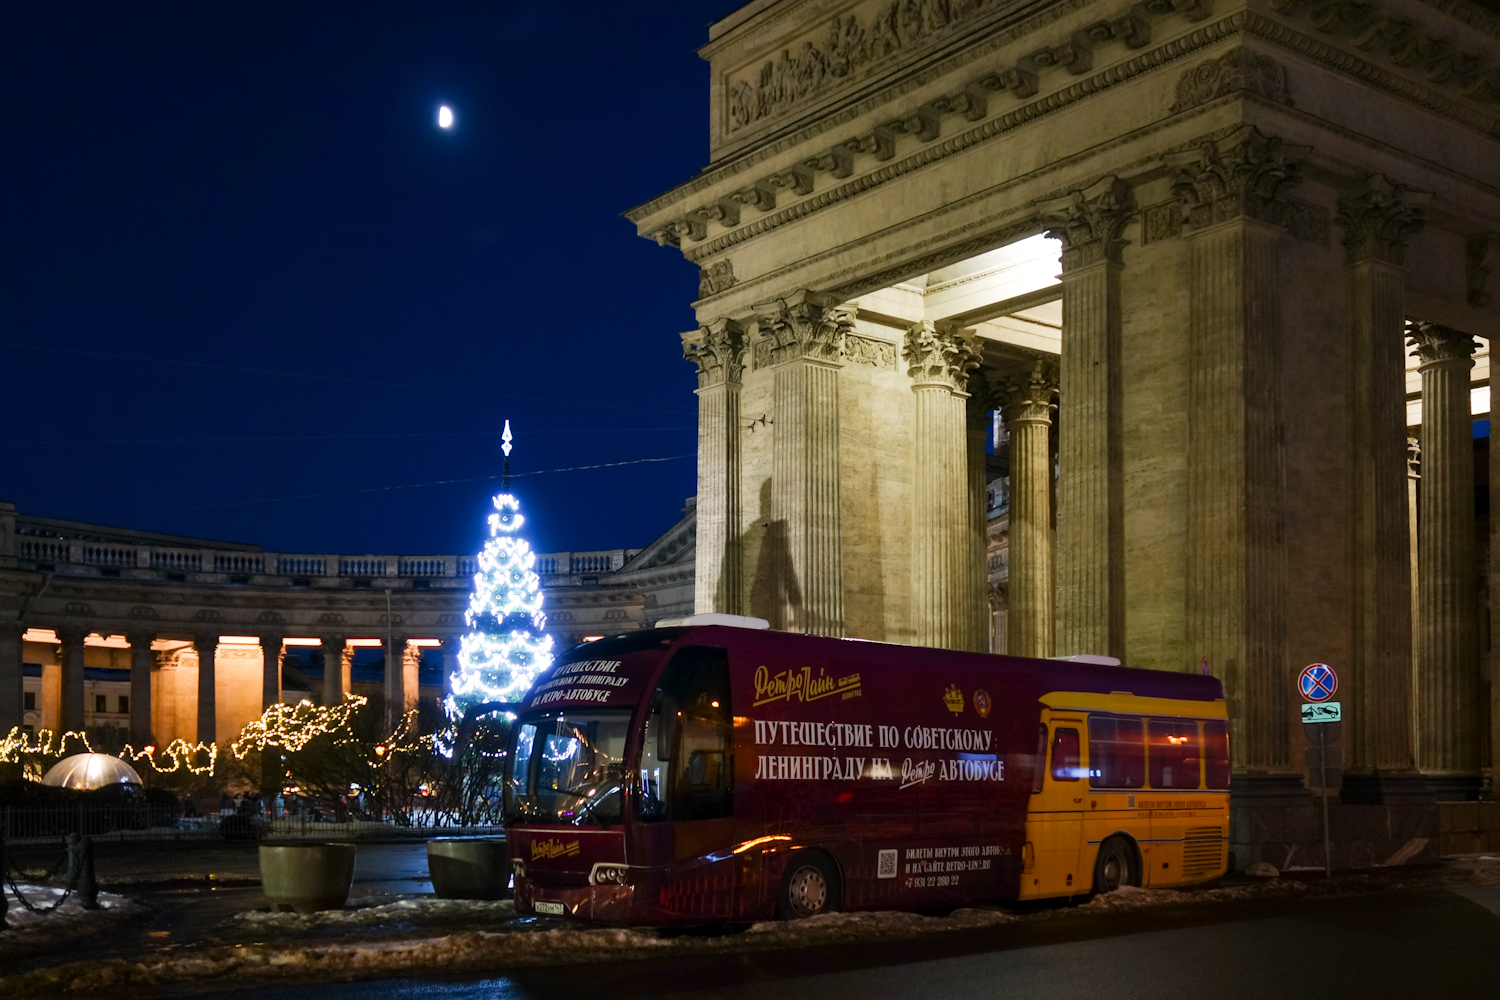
(240, 263)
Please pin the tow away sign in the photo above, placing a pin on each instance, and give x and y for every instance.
(1322, 711)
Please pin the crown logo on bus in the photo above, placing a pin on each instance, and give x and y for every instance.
(954, 699)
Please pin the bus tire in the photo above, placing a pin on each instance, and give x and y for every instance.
(810, 886)
(1116, 865)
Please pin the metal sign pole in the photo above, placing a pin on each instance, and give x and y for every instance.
(1327, 844)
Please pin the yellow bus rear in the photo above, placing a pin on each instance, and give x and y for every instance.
(1131, 791)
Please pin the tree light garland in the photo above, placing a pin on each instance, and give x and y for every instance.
(179, 753)
(505, 648)
(292, 727)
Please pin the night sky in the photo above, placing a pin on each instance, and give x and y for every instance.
(247, 285)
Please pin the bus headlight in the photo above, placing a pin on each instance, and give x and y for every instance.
(518, 867)
(608, 874)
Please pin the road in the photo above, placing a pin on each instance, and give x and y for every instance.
(1431, 943)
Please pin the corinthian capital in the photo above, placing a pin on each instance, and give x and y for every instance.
(1433, 344)
(1027, 396)
(940, 357)
(804, 325)
(1089, 222)
(1378, 221)
(1243, 174)
(718, 350)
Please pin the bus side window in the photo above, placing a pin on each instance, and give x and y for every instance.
(1066, 765)
(1174, 753)
(686, 757)
(1216, 754)
(1117, 756)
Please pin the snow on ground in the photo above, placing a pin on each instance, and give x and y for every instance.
(381, 937)
(71, 912)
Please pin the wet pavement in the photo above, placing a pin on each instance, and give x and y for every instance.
(192, 886)
(1396, 944)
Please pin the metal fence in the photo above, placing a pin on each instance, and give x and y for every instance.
(141, 821)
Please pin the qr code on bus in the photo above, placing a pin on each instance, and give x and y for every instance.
(885, 864)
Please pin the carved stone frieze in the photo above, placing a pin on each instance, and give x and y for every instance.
(144, 612)
(1236, 71)
(868, 351)
(1089, 222)
(719, 352)
(971, 101)
(715, 278)
(802, 327)
(1378, 221)
(1245, 174)
(1303, 221)
(940, 356)
(1481, 260)
(1432, 343)
(849, 44)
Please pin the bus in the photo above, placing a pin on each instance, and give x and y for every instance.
(714, 772)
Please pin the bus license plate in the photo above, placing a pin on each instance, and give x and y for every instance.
(556, 909)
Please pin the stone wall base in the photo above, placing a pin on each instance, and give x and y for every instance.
(1280, 823)
(1469, 827)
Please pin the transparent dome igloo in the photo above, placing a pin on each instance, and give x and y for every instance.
(87, 771)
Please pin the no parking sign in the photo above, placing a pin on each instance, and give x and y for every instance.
(1317, 682)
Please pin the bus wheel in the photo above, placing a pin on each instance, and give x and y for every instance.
(1116, 866)
(809, 887)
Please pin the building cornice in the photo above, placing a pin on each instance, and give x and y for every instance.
(1471, 78)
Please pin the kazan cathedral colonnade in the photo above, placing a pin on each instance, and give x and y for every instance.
(1189, 250)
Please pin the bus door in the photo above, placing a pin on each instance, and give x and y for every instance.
(1054, 820)
(685, 784)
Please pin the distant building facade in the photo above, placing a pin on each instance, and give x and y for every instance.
(155, 637)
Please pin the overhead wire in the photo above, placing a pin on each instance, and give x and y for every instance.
(441, 482)
(570, 400)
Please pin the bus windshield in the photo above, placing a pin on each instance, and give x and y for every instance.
(568, 767)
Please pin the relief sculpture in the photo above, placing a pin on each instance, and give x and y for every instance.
(852, 43)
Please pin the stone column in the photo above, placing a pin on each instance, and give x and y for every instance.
(208, 708)
(10, 677)
(142, 661)
(1447, 640)
(981, 403)
(1091, 481)
(1377, 711)
(718, 351)
(71, 656)
(271, 651)
(396, 695)
(804, 337)
(411, 665)
(939, 363)
(1413, 481)
(1236, 559)
(333, 669)
(1027, 408)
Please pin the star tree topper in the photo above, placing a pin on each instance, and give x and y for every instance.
(506, 647)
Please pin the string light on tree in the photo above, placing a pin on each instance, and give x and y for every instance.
(505, 648)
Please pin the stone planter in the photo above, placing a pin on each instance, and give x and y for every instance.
(469, 869)
(307, 877)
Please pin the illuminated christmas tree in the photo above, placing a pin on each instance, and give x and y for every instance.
(505, 648)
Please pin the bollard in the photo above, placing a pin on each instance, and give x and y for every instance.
(4, 899)
(73, 850)
(87, 886)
